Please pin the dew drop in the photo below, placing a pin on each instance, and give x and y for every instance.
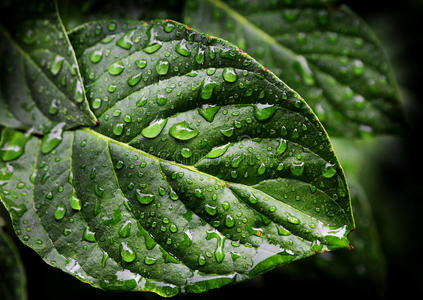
(182, 131)
(116, 68)
(229, 74)
(154, 128)
(144, 199)
(127, 254)
(60, 212)
(162, 66)
(53, 138)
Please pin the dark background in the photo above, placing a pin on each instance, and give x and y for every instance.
(395, 188)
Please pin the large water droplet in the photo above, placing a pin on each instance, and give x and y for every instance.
(60, 212)
(116, 68)
(56, 64)
(182, 131)
(96, 56)
(162, 66)
(154, 128)
(208, 112)
(53, 138)
(328, 170)
(125, 229)
(182, 48)
(144, 199)
(127, 254)
(218, 151)
(263, 112)
(229, 74)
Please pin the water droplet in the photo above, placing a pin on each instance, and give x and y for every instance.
(182, 131)
(125, 229)
(96, 56)
(162, 66)
(116, 68)
(261, 169)
(53, 138)
(154, 128)
(144, 198)
(208, 112)
(134, 79)
(207, 89)
(60, 212)
(229, 74)
(96, 103)
(125, 41)
(211, 210)
(293, 220)
(127, 254)
(141, 63)
(297, 168)
(263, 112)
(75, 202)
(199, 58)
(53, 108)
(89, 235)
(173, 228)
(118, 129)
(201, 260)
(186, 152)
(182, 48)
(328, 170)
(283, 145)
(56, 64)
(168, 27)
(358, 67)
(12, 144)
(218, 151)
(229, 221)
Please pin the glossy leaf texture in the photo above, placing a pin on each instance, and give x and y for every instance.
(40, 84)
(324, 51)
(12, 273)
(205, 169)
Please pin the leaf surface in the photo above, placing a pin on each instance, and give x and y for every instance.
(325, 52)
(40, 81)
(205, 169)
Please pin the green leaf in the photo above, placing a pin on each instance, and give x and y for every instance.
(40, 81)
(12, 273)
(325, 52)
(205, 169)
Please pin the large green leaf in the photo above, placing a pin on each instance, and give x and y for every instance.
(40, 84)
(205, 169)
(12, 274)
(325, 52)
